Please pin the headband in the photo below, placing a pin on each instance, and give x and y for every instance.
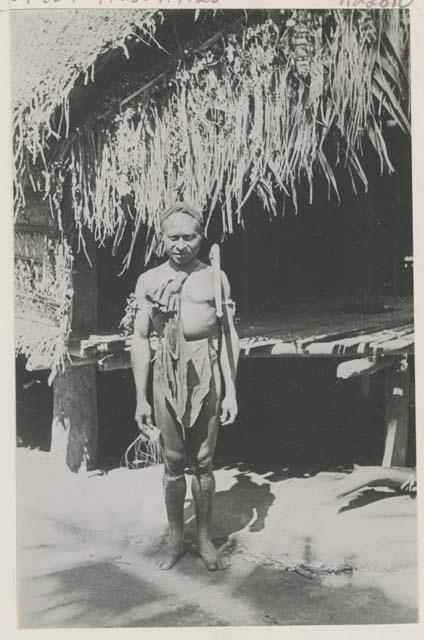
(181, 207)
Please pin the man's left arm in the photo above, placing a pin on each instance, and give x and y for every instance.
(229, 355)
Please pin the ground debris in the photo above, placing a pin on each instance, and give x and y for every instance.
(317, 569)
(119, 560)
(305, 569)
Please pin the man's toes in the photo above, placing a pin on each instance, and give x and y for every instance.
(211, 563)
(161, 563)
(170, 557)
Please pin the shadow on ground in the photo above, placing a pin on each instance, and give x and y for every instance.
(104, 594)
(245, 502)
(368, 496)
(343, 600)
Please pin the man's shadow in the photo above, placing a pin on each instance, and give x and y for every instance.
(245, 502)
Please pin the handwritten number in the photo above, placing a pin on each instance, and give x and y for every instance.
(376, 4)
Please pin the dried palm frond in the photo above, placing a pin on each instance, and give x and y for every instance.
(43, 299)
(259, 118)
(51, 52)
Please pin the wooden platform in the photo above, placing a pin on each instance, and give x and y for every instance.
(305, 318)
(302, 330)
(361, 345)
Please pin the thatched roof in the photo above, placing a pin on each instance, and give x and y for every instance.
(283, 101)
(332, 76)
(282, 98)
(51, 49)
(51, 52)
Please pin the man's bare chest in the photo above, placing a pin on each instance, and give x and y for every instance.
(197, 288)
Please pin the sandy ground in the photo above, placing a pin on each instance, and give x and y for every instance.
(86, 546)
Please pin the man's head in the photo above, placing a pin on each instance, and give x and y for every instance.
(182, 231)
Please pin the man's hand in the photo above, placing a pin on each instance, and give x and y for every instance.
(229, 409)
(143, 417)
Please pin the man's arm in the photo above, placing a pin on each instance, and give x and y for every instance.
(229, 356)
(140, 358)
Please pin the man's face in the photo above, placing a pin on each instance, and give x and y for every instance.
(181, 238)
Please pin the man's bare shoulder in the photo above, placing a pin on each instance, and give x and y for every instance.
(224, 277)
(150, 280)
(203, 274)
(203, 269)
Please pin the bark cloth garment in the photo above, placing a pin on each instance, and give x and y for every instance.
(183, 369)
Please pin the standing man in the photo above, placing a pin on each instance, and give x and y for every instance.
(193, 374)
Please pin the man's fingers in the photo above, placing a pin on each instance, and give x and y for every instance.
(141, 427)
(228, 414)
(228, 418)
(145, 425)
(224, 416)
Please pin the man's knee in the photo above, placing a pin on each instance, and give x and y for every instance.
(175, 462)
(203, 462)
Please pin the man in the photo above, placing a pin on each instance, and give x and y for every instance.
(193, 374)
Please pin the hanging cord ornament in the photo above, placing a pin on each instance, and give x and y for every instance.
(144, 451)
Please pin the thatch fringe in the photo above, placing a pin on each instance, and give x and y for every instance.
(259, 118)
(52, 51)
(43, 301)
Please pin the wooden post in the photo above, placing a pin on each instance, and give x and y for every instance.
(247, 258)
(365, 385)
(74, 428)
(396, 415)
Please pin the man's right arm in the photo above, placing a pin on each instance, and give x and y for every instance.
(140, 357)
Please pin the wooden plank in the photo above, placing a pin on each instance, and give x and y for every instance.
(397, 345)
(101, 341)
(115, 361)
(356, 335)
(363, 367)
(285, 348)
(386, 340)
(246, 292)
(247, 344)
(365, 385)
(397, 393)
(395, 341)
(394, 334)
(354, 368)
(367, 366)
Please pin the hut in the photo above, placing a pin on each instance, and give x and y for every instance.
(288, 128)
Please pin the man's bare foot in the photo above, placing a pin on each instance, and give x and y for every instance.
(213, 560)
(173, 551)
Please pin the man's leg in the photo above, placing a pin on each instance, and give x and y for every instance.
(201, 441)
(174, 483)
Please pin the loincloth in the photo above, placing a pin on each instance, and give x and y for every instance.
(183, 370)
(186, 381)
